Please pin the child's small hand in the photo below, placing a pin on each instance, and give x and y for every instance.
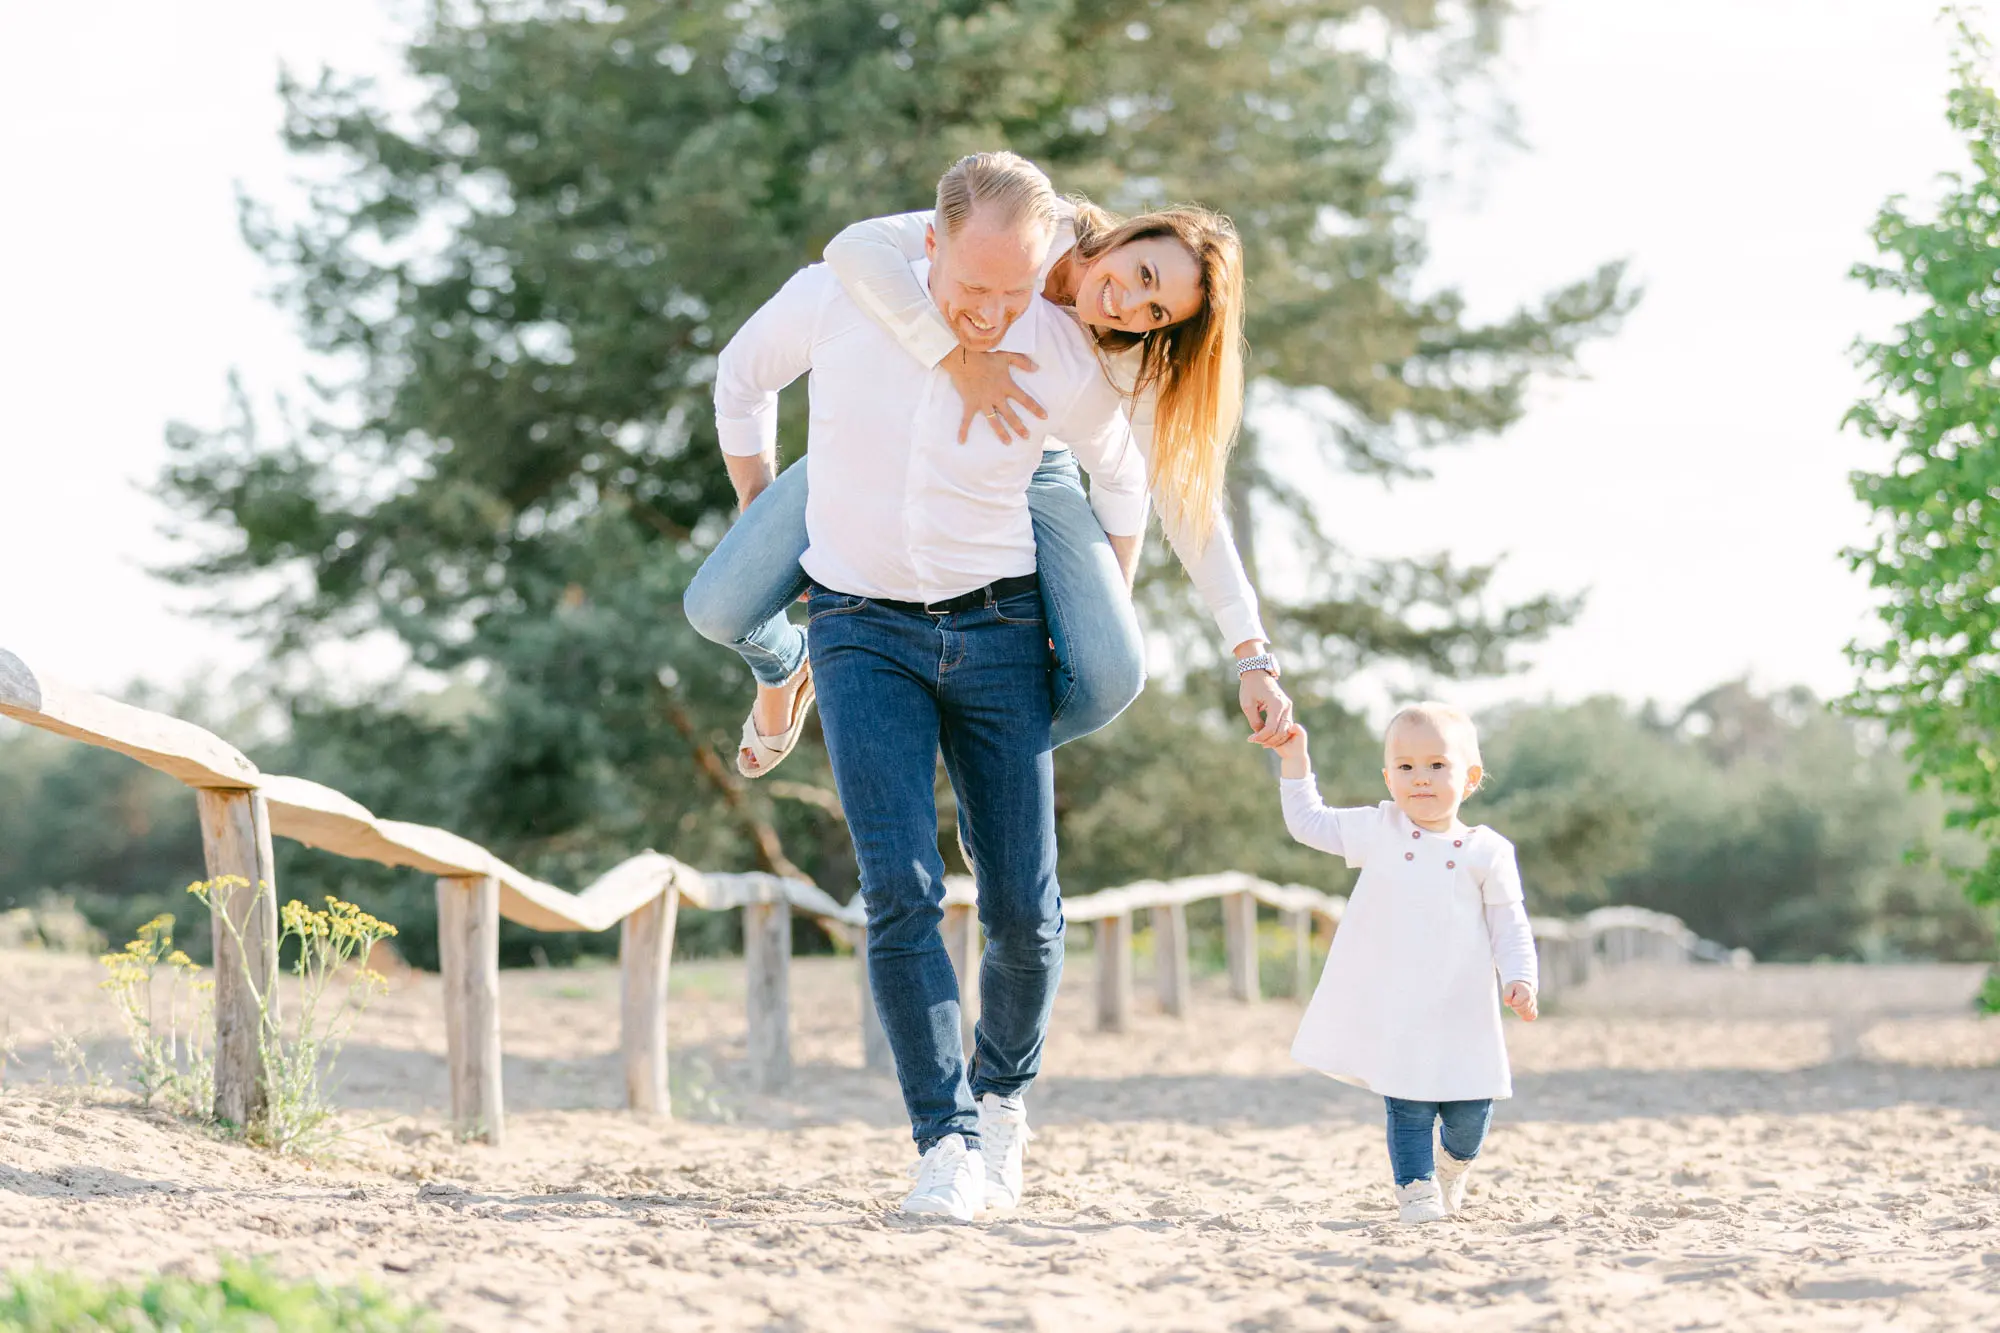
(1520, 997)
(1294, 760)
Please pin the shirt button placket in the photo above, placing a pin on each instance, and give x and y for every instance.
(914, 531)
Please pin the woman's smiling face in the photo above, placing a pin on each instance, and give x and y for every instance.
(1142, 285)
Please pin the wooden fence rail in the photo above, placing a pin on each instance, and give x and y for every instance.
(241, 809)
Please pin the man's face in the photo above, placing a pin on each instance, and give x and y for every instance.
(983, 278)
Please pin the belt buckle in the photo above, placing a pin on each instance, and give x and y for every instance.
(939, 608)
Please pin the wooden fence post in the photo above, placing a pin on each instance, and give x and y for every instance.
(469, 958)
(1172, 976)
(961, 941)
(1113, 941)
(1302, 955)
(767, 950)
(1550, 966)
(236, 841)
(645, 952)
(875, 1052)
(1239, 940)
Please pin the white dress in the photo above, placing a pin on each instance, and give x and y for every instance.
(1409, 1003)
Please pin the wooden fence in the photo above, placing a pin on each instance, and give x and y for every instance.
(242, 809)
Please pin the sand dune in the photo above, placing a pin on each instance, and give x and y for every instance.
(1788, 1148)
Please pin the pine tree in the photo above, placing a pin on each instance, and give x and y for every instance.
(521, 286)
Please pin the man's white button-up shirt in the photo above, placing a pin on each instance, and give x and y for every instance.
(898, 508)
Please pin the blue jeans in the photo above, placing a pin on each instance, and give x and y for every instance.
(895, 688)
(1410, 1126)
(740, 596)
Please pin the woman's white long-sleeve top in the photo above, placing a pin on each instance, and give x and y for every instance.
(872, 260)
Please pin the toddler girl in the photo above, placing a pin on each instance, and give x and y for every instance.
(1407, 1005)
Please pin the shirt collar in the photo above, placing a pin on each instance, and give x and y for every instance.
(1020, 335)
(1459, 830)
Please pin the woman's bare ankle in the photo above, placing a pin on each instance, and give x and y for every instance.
(773, 709)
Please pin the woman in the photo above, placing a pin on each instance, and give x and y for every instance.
(1162, 297)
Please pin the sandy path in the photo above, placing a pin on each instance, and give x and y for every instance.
(1810, 1148)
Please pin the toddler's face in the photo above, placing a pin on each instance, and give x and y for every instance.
(1429, 776)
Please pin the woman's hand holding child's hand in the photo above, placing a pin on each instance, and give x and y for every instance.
(1520, 997)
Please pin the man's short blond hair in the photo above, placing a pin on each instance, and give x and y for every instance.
(1013, 190)
(1449, 721)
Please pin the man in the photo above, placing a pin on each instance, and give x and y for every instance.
(925, 634)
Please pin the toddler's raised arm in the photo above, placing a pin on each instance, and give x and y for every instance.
(1344, 833)
(1307, 817)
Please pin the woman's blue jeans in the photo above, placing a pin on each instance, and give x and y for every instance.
(1410, 1126)
(741, 595)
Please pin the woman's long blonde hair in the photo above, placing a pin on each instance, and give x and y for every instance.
(1196, 366)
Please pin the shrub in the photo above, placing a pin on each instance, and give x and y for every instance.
(247, 1296)
(175, 1069)
(328, 948)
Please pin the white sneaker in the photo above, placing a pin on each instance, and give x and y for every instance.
(1003, 1137)
(1419, 1201)
(951, 1181)
(1451, 1175)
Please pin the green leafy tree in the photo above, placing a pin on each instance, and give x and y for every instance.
(1578, 790)
(520, 285)
(1934, 559)
(1763, 821)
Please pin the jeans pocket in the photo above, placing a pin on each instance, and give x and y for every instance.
(821, 603)
(1023, 608)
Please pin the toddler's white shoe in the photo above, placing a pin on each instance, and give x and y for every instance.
(1003, 1136)
(951, 1182)
(1451, 1175)
(1419, 1201)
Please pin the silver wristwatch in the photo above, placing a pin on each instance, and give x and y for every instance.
(1261, 662)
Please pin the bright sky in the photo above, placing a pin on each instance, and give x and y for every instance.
(1695, 483)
